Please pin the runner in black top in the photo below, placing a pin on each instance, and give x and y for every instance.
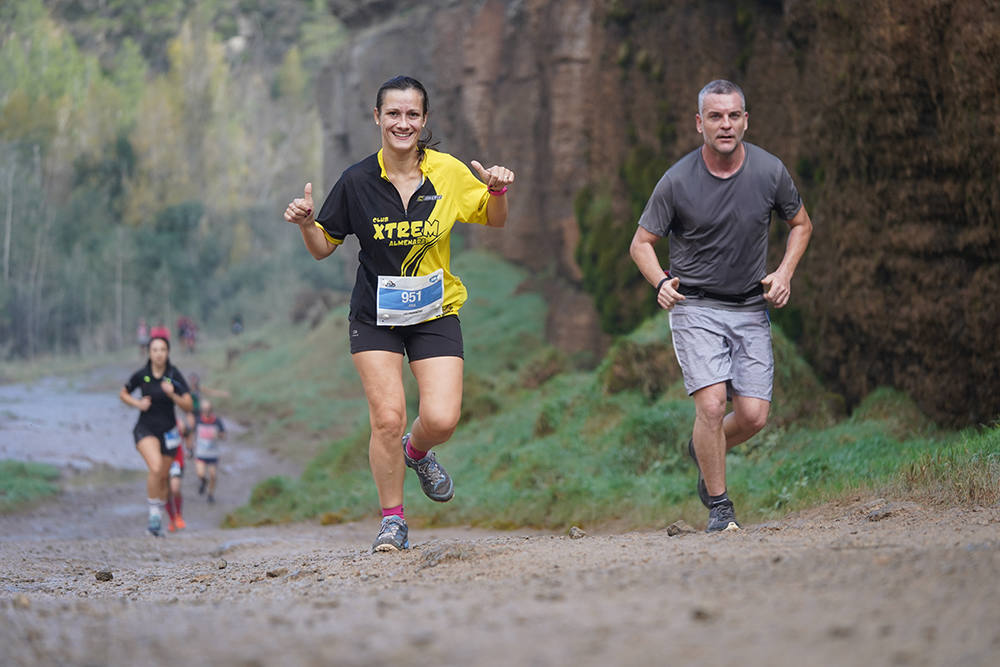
(156, 437)
(401, 203)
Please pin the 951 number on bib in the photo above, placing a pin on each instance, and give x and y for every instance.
(406, 300)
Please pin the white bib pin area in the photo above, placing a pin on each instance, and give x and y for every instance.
(406, 300)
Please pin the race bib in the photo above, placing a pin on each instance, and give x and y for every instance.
(405, 300)
(172, 439)
(208, 446)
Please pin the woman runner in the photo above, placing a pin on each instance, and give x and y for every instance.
(156, 437)
(401, 203)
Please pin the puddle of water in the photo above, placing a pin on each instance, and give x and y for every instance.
(52, 421)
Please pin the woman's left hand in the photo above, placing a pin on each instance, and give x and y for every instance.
(168, 388)
(496, 177)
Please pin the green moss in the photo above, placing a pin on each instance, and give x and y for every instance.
(621, 294)
(618, 13)
(624, 55)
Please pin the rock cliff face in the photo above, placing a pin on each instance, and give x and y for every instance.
(507, 85)
(885, 113)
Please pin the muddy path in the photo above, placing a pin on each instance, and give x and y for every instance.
(867, 581)
(79, 425)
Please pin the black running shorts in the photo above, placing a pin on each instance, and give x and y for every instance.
(142, 431)
(441, 337)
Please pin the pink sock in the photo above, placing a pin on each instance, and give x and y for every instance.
(393, 511)
(413, 452)
(178, 503)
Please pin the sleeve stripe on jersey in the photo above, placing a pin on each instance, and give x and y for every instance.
(327, 235)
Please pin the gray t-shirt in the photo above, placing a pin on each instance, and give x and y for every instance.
(718, 226)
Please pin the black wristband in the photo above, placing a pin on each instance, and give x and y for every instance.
(660, 284)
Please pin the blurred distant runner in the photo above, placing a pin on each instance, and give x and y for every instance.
(191, 418)
(187, 331)
(210, 430)
(715, 204)
(142, 336)
(175, 498)
(402, 203)
(162, 386)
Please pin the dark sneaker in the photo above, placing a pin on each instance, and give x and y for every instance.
(434, 480)
(211, 499)
(392, 535)
(201, 486)
(722, 518)
(702, 489)
(155, 525)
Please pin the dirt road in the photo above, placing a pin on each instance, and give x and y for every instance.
(864, 582)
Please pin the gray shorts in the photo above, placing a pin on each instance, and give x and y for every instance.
(732, 346)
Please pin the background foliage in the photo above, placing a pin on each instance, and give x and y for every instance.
(542, 444)
(131, 184)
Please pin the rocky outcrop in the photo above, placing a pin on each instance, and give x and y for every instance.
(884, 112)
(506, 83)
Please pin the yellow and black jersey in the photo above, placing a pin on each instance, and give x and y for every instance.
(398, 241)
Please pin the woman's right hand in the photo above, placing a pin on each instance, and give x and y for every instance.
(144, 403)
(300, 209)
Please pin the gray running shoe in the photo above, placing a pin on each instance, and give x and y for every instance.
(702, 489)
(722, 518)
(392, 535)
(155, 525)
(434, 479)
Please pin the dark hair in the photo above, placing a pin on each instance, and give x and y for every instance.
(407, 83)
(168, 368)
(163, 338)
(720, 87)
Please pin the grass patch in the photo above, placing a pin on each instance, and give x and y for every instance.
(292, 386)
(966, 472)
(22, 484)
(30, 370)
(297, 388)
(304, 392)
(543, 444)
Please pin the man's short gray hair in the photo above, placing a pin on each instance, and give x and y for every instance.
(720, 87)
